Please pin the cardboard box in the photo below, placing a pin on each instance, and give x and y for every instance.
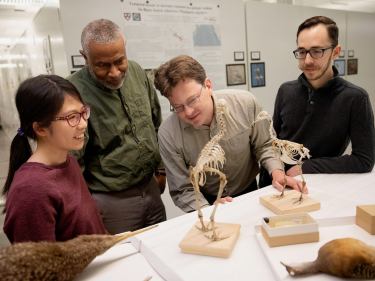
(365, 218)
(290, 229)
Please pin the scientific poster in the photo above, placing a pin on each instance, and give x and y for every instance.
(157, 31)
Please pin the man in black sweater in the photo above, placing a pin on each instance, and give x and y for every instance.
(323, 111)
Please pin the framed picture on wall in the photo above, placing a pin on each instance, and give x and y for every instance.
(342, 54)
(350, 53)
(340, 65)
(352, 66)
(236, 74)
(258, 74)
(239, 56)
(78, 61)
(255, 55)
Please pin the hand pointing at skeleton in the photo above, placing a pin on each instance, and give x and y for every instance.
(280, 181)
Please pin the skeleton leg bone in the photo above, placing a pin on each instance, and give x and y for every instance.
(281, 195)
(300, 199)
(223, 183)
(284, 186)
(194, 180)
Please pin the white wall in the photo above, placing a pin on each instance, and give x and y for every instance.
(268, 28)
(47, 23)
(74, 17)
(271, 29)
(361, 39)
(30, 47)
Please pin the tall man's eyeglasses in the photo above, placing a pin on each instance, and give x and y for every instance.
(189, 103)
(73, 119)
(315, 53)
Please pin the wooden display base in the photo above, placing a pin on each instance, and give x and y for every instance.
(195, 241)
(287, 204)
(365, 217)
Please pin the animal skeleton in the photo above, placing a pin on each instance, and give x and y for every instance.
(289, 152)
(210, 160)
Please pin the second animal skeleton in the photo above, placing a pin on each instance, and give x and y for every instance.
(291, 153)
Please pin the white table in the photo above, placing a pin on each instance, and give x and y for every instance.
(339, 195)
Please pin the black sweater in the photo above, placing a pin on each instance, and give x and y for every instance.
(324, 121)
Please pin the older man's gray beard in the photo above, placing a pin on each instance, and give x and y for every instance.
(109, 86)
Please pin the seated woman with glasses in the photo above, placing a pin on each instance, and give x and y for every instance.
(47, 198)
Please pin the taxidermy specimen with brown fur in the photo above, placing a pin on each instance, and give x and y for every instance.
(57, 261)
(346, 258)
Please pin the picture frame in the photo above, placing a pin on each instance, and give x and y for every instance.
(239, 56)
(255, 55)
(236, 74)
(258, 74)
(78, 61)
(342, 54)
(350, 53)
(340, 65)
(352, 66)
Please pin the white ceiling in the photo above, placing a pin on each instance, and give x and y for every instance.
(348, 5)
(15, 18)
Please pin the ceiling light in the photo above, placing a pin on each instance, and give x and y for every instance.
(22, 2)
(339, 2)
(12, 56)
(8, 65)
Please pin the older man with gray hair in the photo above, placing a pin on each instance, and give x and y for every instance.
(120, 159)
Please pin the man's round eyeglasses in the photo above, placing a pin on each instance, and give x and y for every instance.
(189, 103)
(315, 53)
(73, 119)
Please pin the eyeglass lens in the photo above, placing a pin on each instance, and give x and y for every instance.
(74, 118)
(190, 103)
(315, 53)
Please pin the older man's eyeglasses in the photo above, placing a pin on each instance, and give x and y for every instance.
(315, 53)
(73, 119)
(189, 103)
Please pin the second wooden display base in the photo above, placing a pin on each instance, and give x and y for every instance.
(196, 242)
(288, 203)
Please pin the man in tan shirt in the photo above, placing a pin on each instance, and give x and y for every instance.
(183, 135)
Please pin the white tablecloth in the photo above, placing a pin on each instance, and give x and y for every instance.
(339, 195)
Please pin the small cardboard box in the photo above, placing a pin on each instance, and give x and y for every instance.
(365, 218)
(290, 229)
